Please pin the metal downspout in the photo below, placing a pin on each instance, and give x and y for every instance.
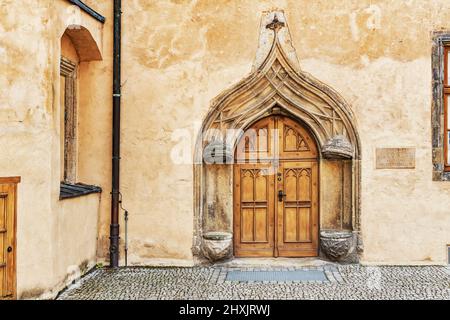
(115, 193)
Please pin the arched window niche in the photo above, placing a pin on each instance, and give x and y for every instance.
(78, 49)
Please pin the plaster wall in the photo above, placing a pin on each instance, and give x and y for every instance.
(48, 229)
(180, 54)
(177, 56)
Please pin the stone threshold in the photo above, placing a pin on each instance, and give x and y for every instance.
(274, 263)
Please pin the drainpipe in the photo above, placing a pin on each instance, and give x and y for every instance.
(115, 193)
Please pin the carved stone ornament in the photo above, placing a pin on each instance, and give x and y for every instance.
(337, 245)
(276, 84)
(217, 245)
(278, 81)
(338, 147)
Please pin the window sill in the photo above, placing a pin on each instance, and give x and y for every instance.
(69, 191)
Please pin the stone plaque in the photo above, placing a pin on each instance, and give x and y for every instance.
(396, 158)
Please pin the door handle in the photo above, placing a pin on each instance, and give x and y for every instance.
(9, 249)
(281, 195)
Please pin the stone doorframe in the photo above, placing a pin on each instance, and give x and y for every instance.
(276, 85)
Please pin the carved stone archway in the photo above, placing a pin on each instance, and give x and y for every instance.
(276, 85)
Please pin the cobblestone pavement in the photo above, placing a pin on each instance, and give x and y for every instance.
(343, 282)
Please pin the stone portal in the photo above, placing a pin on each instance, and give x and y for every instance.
(277, 87)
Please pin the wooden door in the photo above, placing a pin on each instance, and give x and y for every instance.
(276, 191)
(8, 192)
(254, 221)
(297, 209)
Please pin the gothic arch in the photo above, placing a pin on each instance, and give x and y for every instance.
(278, 85)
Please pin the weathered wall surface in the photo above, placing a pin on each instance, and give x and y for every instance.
(54, 238)
(25, 103)
(177, 56)
(76, 235)
(335, 192)
(218, 207)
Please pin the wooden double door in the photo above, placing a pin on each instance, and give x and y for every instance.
(276, 194)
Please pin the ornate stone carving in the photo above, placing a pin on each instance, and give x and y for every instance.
(277, 85)
(279, 82)
(276, 24)
(337, 245)
(217, 245)
(338, 147)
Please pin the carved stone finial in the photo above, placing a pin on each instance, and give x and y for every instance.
(274, 29)
(276, 24)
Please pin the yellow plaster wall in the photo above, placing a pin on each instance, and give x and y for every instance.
(53, 236)
(177, 56)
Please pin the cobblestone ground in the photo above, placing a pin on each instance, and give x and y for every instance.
(344, 282)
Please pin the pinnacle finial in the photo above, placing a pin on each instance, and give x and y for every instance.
(276, 24)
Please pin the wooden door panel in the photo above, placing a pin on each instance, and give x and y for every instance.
(298, 212)
(258, 142)
(304, 185)
(261, 216)
(304, 216)
(261, 185)
(264, 226)
(7, 239)
(10, 243)
(253, 210)
(3, 203)
(290, 225)
(295, 141)
(247, 225)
